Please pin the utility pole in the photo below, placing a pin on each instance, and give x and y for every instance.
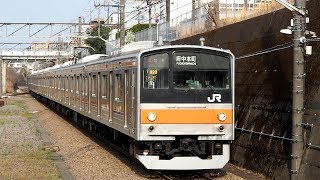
(139, 15)
(1, 75)
(108, 11)
(193, 14)
(122, 16)
(80, 32)
(162, 6)
(149, 4)
(298, 91)
(121, 22)
(245, 4)
(99, 5)
(168, 11)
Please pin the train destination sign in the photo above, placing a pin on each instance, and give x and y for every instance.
(186, 60)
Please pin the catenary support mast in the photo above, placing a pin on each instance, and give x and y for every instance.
(298, 93)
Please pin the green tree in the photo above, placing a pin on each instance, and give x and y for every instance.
(136, 28)
(97, 44)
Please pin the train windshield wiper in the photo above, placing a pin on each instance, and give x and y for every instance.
(208, 85)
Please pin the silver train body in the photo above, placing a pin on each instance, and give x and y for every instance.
(172, 105)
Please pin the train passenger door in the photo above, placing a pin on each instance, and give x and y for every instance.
(85, 96)
(71, 89)
(93, 95)
(66, 89)
(60, 94)
(131, 101)
(118, 99)
(77, 102)
(81, 92)
(105, 96)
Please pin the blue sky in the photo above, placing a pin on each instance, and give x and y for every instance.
(43, 10)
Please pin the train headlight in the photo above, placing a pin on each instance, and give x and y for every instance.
(152, 117)
(222, 116)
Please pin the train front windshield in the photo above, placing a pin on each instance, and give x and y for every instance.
(185, 77)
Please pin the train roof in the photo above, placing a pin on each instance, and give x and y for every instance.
(90, 58)
(128, 51)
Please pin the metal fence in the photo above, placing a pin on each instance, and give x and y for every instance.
(200, 20)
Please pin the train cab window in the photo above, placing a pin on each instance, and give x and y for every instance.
(200, 71)
(155, 71)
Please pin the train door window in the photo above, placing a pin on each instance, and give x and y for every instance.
(86, 79)
(55, 82)
(133, 82)
(62, 83)
(67, 83)
(58, 82)
(104, 86)
(84, 85)
(111, 85)
(119, 87)
(72, 84)
(94, 86)
(155, 71)
(77, 85)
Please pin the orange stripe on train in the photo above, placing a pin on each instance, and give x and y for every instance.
(186, 116)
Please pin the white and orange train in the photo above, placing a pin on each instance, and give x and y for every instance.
(171, 107)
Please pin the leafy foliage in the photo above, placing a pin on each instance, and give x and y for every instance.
(136, 28)
(98, 45)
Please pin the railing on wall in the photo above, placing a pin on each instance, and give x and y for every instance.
(186, 25)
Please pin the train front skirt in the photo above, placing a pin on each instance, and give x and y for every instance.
(186, 163)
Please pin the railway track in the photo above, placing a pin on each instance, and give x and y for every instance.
(170, 175)
(199, 175)
(105, 143)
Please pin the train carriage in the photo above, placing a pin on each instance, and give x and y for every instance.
(172, 105)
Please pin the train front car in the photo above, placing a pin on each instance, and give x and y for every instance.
(186, 108)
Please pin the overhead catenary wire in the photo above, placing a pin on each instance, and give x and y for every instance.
(145, 8)
(266, 51)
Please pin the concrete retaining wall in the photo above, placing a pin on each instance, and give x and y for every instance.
(264, 92)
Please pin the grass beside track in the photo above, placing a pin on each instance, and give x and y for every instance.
(22, 152)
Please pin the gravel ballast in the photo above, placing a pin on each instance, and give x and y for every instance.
(40, 132)
(22, 155)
